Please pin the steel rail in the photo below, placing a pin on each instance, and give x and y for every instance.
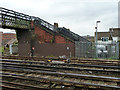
(59, 81)
(43, 82)
(55, 68)
(72, 60)
(91, 77)
(63, 64)
(13, 85)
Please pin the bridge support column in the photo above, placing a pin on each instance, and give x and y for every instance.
(25, 42)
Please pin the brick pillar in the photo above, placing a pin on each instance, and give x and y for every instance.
(24, 42)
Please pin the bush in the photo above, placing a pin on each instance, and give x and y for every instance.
(1, 49)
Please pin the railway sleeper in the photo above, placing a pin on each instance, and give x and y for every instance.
(66, 68)
(70, 75)
(59, 64)
(61, 81)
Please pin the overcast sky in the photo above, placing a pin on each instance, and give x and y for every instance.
(79, 16)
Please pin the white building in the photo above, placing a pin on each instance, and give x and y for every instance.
(107, 42)
(113, 35)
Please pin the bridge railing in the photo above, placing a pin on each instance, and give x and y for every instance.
(41, 22)
(10, 18)
(13, 19)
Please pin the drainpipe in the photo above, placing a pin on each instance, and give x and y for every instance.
(11, 49)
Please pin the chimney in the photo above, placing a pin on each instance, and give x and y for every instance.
(56, 27)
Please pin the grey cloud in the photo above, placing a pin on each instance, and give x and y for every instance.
(78, 15)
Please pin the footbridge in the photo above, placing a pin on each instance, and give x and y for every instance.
(14, 20)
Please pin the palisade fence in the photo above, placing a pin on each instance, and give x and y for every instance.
(104, 50)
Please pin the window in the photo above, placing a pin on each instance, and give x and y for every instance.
(105, 38)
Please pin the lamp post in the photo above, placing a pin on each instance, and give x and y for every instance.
(96, 38)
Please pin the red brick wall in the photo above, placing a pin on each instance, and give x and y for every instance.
(54, 49)
(5, 37)
(1, 38)
(45, 37)
(60, 39)
(49, 43)
(8, 36)
(42, 35)
(43, 44)
(46, 43)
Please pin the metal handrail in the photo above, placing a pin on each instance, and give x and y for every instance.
(14, 13)
(6, 13)
(43, 23)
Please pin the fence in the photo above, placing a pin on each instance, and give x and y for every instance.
(104, 50)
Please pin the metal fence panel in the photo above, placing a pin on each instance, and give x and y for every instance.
(104, 50)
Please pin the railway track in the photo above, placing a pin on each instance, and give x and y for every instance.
(12, 85)
(60, 64)
(73, 60)
(63, 81)
(97, 69)
(63, 74)
(51, 75)
(63, 69)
